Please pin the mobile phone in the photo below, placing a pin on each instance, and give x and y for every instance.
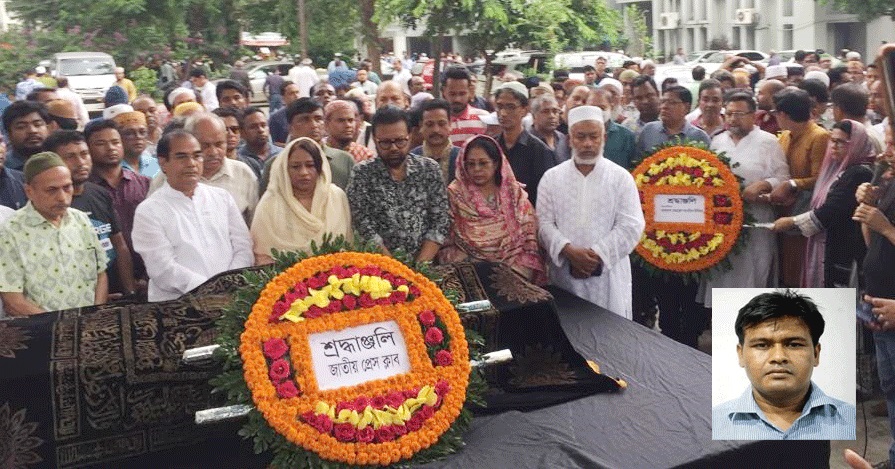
(865, 312)
(887, 65)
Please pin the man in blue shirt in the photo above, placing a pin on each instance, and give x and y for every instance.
(779, 348)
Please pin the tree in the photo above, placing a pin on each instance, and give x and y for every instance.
(865, 9)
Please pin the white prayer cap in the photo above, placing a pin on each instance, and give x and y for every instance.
(853, 55)
(775, 71)
(585, 113)
(40, 69)
(513, 85)
(613, 83)
(177, 92)
(112, 111)
(818, 75)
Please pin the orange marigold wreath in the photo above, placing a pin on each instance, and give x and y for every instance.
(382, 421)
(687, 170)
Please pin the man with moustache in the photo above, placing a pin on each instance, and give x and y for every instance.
(96, 203)
(49, 251)
(134, 136)
(545, 113)
(257, 147)
(149, 108)
(25, 123)
(390, 93)
(398, 200)
(233, 176)
(620, 146)
(465, 119)
(764, 117)
(589, 218)
(435, 128)
(779, 347)
(340, 119)
(177, 227)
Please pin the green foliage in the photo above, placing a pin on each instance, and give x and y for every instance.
(865, 9)
(232, 383)
(637, 40)
(145, 80)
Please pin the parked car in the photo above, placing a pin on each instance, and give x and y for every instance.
(90, 75)
(574, 62)
(258, 72)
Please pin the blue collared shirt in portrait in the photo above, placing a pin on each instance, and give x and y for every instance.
(822, 418)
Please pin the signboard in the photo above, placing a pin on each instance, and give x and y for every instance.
(679, 208)
(359, 354)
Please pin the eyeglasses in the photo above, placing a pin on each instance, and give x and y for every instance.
(737, 114)
(397, 143)
(838, 142)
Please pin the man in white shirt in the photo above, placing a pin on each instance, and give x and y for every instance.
(402, 75)
(204, 88)
(188, 231)
(589, 218)
(233, 176)
(756, 157)
(304, 76)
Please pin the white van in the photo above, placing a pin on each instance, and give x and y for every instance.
(90, 74)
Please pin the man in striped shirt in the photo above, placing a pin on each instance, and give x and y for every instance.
(779, 347)
(465, 119)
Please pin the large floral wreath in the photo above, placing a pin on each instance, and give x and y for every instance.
(414, 416)
(679, 173)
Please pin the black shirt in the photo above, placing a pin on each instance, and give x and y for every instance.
(97, 204)
(878, 277)
(12, 189)
(530, 158)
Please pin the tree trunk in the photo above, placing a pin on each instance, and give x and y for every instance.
(489, 74)
(303, 28)
(370, 34)
(436, 70)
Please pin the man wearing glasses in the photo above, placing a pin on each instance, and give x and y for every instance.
(756, 157)
(398, 200)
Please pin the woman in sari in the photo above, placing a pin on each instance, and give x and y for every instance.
(492, 217)
(300, 204)
(834, 239)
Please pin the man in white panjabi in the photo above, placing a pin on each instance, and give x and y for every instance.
(589, 218)
(188, 231)
(756, 157)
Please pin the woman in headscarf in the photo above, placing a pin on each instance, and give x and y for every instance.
(300, 204)
(493, 219)
(834, 239)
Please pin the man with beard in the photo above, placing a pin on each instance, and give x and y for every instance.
(545, 112)
(645, 95)
(127, 188)
(757, 158)
(465, 119)
(589, 218)
(340, 117)
(177, 227)
(96, 203)
(620, 146)
(149, 108)
(257, 147)
(25, 123)
(398, 200)
(435, 128)
(765, 101)
(50, 254)
(134, 135)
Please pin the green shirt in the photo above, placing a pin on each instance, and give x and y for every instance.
(54, 267)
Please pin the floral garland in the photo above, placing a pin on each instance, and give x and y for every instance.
(413, 417)
(681, 169)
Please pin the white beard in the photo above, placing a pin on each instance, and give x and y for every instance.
(587, 161)
(616, 111)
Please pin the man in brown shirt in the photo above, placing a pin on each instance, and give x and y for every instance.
(804, 143)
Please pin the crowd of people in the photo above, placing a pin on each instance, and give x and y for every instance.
(151, 201)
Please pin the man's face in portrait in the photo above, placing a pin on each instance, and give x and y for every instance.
(779, 358)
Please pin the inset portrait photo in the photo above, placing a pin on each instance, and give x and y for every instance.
(783, 364)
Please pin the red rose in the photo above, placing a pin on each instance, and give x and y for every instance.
(274, 318)
(290, 297)
(427, 318)
(410, 393)
(339, 271)
(388, 277)
(444, 358)
(385, 433)
(397, 297)
(400, 430)
(301, 290)
(314, 312)
(371, 270)
(351, 270)
(317, 282)
(400, 281)
(287, 389)
(344, 405)
(279, 370)
(414, 290)
(281, 307)
(350, 302)
(426, 411)
(366, 300)
(322, 423)
(366, 434)
(275, 348)
(377, 402)
(415, 423)
(442, 387)
(344, 431)
(434, 336)
(361, 403)
(394, 399)
(309, 416)
(384, 301)
(334, 306)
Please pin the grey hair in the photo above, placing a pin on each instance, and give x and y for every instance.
(536, 103)
(193, 121)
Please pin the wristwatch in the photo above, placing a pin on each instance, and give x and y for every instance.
(792, 182)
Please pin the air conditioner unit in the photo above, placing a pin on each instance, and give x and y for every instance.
(746, 16)
(669, 20)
